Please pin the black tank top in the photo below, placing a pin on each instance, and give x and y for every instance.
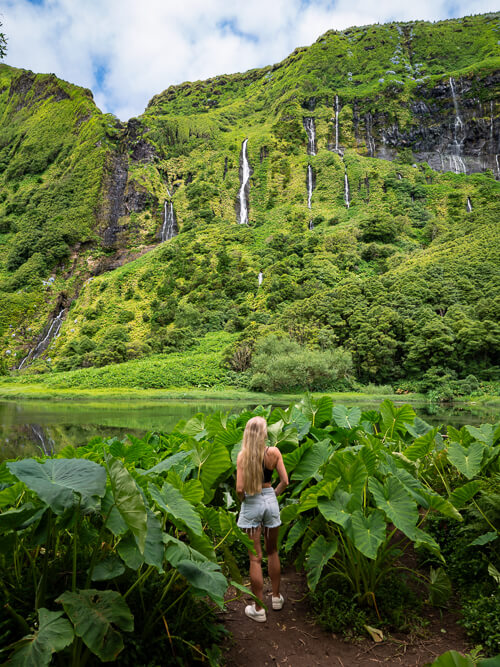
(267, 474)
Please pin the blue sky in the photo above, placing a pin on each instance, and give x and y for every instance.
(126, 51)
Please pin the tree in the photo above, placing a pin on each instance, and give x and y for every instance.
(3, 44)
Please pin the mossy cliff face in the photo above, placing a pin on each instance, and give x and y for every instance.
(387, 258)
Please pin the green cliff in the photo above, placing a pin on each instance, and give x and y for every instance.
(372, 206)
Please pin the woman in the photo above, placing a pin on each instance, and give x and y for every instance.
(254, 470)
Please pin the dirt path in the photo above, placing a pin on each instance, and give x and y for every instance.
(290, 637)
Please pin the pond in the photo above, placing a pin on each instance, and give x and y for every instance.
(29, 428)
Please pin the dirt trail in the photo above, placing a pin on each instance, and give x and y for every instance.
(290, 637)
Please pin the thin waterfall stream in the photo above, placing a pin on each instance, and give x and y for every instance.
(456, 162)
(310, 129)
(51, 334)
(244, 183)
(169, 226)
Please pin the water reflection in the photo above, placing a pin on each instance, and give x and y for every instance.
(32, 428)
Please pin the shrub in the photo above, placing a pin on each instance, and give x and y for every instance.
(280, 364)
(481, 619)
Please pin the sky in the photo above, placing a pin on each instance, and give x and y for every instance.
(126, 51)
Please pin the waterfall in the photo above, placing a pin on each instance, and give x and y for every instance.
(261, 278)
(169, 227)
(168, 192)
(469, 205)
(311, 225)
(336, 123)
(245, 183)
(498, 166)
(400, 178)
(456, 162)
(346, 190)
(52, 332)
(310, 128)
(370, 141)
(310, 185)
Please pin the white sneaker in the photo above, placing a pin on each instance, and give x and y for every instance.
(251, 612)
(278, 602)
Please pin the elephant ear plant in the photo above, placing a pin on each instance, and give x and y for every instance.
(366, 504)
(86, 538)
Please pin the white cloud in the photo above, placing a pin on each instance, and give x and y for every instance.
(145, 47)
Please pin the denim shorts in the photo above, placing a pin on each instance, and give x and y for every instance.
(260, 510)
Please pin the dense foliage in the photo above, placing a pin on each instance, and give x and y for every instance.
(402, 280)
(119, 536)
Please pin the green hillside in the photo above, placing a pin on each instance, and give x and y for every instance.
(390, 276)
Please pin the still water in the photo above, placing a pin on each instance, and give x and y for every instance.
(29, 428)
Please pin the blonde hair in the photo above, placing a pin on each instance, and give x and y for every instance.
(252, 454)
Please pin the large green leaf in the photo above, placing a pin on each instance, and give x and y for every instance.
(94, 615)
(61, 483)
(296, 532)
(318, 555)
(153, 551)
(205, 579)
(54, 634)
(192, 489)
(129, 552)
(454, 659)
(11, 493)
(309, 497)
(485, 433)
(107, 569)
(312, 461)
(466, 460)
(317, 412)
(346, 417)
(128, 500)
(367, 532)
(177, 551)
(393, 418)
(350, 470)
(13, 519)
(439, 587)
(168, 463)
(421, 446)
(176, 506)
(393, 499)
(212, 460)
(461, 496)
(195, 427)
(339, 509)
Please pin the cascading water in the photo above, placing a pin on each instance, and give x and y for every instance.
(311, 225)
(370, 141)
(244, 183)
(347, 197)
(261, 278)
(469, 205)
(52, 333)
(310, 128)
(310, 185)
(456, 162)
(336, 123)
(169, 227)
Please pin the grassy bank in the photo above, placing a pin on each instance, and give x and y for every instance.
(40, 390)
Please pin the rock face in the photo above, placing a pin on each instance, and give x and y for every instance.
(114, 202)
(452, 129)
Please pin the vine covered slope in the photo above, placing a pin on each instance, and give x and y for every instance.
(371, 211)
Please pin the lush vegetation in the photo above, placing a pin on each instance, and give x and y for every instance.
(119, 536)
(402, 283)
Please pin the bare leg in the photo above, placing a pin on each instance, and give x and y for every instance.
(256, 579)
(273, 561)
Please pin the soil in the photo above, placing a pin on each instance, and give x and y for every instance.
(291, 638)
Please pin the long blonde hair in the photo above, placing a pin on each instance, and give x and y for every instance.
(252, 454)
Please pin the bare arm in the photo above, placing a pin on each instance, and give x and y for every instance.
(240, 480)
(280, 467)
